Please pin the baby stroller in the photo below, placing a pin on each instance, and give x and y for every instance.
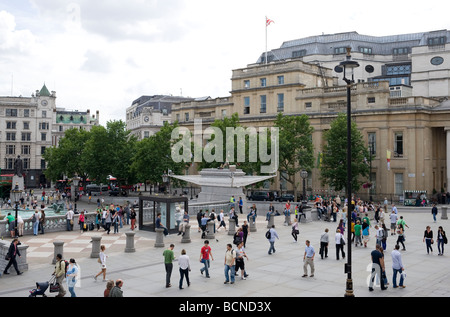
(39, 290)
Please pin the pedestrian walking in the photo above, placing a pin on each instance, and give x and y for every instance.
(185, 268)
(271, 235)
(340, 242)
(308, 259)
(358, 233)
(168, 259)
(205, 255)
(115, 221)
(365, 232)
(229, 264)
(240, 264)
(221, 220)
(13, 252)
(102, 260)
(60, 274)
(108, 288)
(434, 212)
(397, 267)
(72, 277)
(401, 236)
(393, 218)
(295, 230)
(245, 232)
(324, 240)
(132, 218)
(428, 239)
(116, 291)
(441, 240)
(379, 236)
(377, 267)
(108, 220)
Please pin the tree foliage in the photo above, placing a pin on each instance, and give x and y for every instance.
(334, 160)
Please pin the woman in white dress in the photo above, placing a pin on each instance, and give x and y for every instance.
(102, 260)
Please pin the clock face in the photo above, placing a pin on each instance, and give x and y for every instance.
(44, 102)
(146, 118)
(437, 60)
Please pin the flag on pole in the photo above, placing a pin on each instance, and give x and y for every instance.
(388, 157)
(268, 21)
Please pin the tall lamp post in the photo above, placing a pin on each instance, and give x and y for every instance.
(16, 193)
(304, 175)
(76, 182)
(166, 178)
(347, 67)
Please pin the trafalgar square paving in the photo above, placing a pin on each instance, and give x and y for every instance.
(270, 276)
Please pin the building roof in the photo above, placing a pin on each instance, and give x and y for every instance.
(44, 91)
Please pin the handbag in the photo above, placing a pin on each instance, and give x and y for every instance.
(54, 287)
(7, 258)
(342, 241)
(99, 261)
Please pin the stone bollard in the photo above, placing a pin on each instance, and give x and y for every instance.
(129, 247)
(307, 217)
(159, 242)
(287, 220)
(252, 226)
(210, 230)
(186, 238)
(231, 227)
(444, 212)
(271, 221)
(58, 249)
(96, 241)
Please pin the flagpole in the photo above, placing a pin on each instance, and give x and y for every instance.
(266, 39)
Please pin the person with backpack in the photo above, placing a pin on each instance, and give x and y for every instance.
(229, 262)
(271, 235)
(60, 274)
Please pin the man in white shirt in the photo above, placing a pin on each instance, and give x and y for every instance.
(69, 219)
(397, 266)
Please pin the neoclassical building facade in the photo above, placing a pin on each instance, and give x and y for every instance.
(399, 103)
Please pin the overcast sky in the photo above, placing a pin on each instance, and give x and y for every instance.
(103, 54)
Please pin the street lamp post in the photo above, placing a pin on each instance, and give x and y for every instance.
(76, 182)
(304, 175)
(348, 66)
(16, 193)
(166, 178)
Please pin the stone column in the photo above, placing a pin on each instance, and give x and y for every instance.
(58, 249)
(159, 242)
(271, 221)
(129, 247)
(210, 228)
(444, 212)
(252, 226)
(96, 241)
(186, 238)
(231, 227)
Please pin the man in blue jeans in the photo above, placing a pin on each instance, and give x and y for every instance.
(397, 266)
(230, 258)
(273, 235)
(205, 253)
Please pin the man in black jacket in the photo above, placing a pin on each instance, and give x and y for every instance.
(11, 256)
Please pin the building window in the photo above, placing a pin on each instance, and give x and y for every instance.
(44, 114)
(372, 137)
(280, 80)
(146, 134)
(308, 104)
(263, 82)
(26, 163)
(398, 144)
(340, 50)
(26, 136)
(43, 136)
(263, 99)
(177, 117)
(398, 69)
(370, 99)
(280, 104)
(246, 105)
(11, 112)
(400, 51)
(299, 53)
(42, 150)
(11, 125)
(365, 50)
(10, 149)
(246, 83)
(398, 178)
(42, 164)
(26, 150)
(9, 163)
(10, 136)
(224, 113)
(440, 40)
(26, 112)
(186, 116)
(26, 125)
(43, 126)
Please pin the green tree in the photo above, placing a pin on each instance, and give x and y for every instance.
(334, 160)
(295, 146)
(65, 159)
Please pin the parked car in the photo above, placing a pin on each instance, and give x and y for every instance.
(264, 196)
(116, 191)
(286, 197)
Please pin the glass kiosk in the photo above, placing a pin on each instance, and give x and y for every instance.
(166, 205)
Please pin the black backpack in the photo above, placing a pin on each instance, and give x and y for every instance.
(268, 234)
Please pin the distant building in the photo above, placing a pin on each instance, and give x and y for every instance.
(147, 114)
(29, 125)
